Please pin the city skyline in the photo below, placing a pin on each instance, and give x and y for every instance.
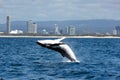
(71, 30)
(59, 27)
(46, 10)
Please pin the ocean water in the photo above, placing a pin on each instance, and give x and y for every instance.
(23, 59)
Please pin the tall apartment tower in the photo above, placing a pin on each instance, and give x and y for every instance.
(56, 30)
(71, 30)
(29, 26)
(8, 24)
(32, 27)
(114, 32)
(117, 30)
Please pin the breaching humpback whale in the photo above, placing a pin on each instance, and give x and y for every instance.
(60, 47)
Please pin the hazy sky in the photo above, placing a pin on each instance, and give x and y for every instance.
(43, 10)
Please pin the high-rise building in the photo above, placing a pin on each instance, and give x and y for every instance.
(8, 24)
(71, 30)
(114, 32)
(56, 30)
(32, 27)
(117, 30)
(29, 26)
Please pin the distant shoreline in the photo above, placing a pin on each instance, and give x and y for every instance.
(29, 36)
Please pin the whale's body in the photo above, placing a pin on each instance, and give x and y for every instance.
(60, 47)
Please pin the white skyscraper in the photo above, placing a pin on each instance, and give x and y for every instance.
(71, 30)
(29, 26)
(118, 30)
(114, 32)
(56, 31)
(32, 27)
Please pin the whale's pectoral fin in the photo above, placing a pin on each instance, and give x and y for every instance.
(58, 40)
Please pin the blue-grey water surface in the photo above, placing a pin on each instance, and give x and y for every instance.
(23, 59)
